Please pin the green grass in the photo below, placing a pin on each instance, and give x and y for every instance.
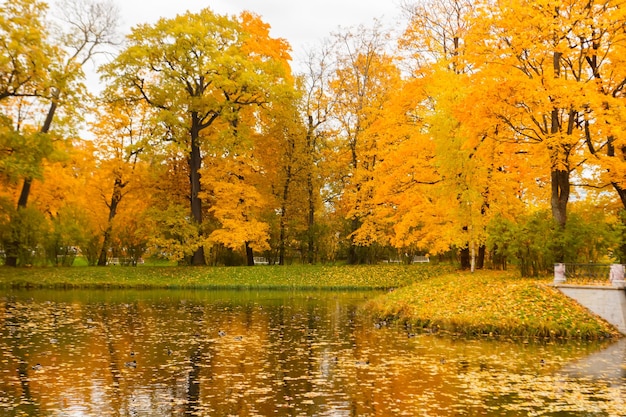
(489, 303)
(258, 277)
(428, 297)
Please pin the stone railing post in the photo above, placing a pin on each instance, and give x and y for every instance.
(559, 273)
(617, 275)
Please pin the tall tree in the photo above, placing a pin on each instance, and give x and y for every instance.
(599, 33)
(365, 74)
(196, 68)
(533, 82)
(317, 105)
(285, 153)
(84, 28)
(87, 28)
(122, 133)
(434, 40)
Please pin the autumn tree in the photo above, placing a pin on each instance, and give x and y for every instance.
(56, 58)
(316, 110)
(198, 68)
(441, 164)
(87, 27)
(284, 152)
(24, 61)
(123, 134)
(59, 209)
(364, 76)
(533, 80)
(434, 42)
(599, 40)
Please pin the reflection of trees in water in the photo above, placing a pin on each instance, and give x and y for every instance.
(200, 357)
(15, 321)
(193, 384)
(284, 354)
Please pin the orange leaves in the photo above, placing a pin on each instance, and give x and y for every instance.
(236, 207)
(259, 45)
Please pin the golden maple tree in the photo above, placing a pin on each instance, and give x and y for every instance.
(197, 68)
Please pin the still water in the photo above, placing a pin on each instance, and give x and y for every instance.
(266, 353)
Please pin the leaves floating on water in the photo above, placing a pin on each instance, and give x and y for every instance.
(283, 353)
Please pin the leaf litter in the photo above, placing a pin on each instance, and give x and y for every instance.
(283, 354)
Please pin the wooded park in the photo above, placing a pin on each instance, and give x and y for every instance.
(485, 133)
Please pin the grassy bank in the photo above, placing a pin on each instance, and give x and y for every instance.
(489, 304)
(428, 297)
(258, 277)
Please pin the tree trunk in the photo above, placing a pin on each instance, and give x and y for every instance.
(249, 255)
(116, 197)
(480, 260)
(559, 175)
(281, 243)
(195, 163)
(310, 146)
(560, 196)
(311, 221)
(11, 259)
(621, 192)
(11, 253)
(106, 242)
(283, 218)
(353, 256)
(465, 258)
(47, 124)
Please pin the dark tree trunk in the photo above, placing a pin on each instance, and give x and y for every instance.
(560, 184)
(47, 125)
(466, 261)
(560, 196)
(106, 242)
(281, 244)
(116, 197)
(283, 218)
(353, 256)
(480, 259)
(310, 144)
(621, 192)
(311, 221)
(249, 255)
(11, 250)
(195, 163)
(11, 259)
(25, 193)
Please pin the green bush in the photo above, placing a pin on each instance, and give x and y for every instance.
(534, 242)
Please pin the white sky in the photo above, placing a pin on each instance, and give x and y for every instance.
(303, 23)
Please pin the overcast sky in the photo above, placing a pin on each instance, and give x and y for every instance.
(304, 23)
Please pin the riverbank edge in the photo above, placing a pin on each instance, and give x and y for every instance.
(491, 304)
(423, 298)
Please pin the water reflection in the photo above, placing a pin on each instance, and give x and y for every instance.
(218, 353)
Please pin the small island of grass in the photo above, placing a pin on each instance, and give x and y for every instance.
(489, 303)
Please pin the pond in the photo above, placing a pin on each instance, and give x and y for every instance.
(268, 353)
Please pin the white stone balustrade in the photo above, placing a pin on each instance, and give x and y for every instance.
(559, 273)
(617, 276)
